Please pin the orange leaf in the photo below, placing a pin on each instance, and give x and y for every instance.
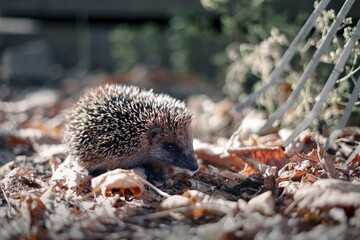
(272, 156)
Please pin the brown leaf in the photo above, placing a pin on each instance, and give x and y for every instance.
(295, 170)
(326, 163)
(215, 155)
(55, 132)
(272, 156)
(33, 205)
(13, 141)
(299, 166)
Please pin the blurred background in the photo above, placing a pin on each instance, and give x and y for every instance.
(221, 48)
(47, 40)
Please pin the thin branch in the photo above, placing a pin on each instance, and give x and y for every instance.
(208, 206)
(162, 193)
(10, 205)
(349, 75)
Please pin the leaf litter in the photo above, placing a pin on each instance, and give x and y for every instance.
(246, 187)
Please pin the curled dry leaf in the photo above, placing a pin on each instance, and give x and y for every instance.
(124, 182)
(249, 187)
(208, 202)
(232, 175)
(253, 140)
(327, 194)
(326, 162)
(17, 142)
(20, 179)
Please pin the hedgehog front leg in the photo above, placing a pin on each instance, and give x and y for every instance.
(94, 172)
(154, 173)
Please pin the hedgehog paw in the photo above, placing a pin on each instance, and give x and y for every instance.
(153, 175)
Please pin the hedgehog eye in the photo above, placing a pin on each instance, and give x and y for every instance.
(170, 147)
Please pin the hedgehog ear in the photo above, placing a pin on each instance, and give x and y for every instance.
(154, 132)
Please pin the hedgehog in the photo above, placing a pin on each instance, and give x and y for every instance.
(120, 126)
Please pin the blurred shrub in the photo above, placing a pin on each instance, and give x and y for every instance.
(131, 44)
(187, 44)
(259, 37)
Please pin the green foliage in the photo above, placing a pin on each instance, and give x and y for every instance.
(187, 37)
(131, 44)
(182, 45)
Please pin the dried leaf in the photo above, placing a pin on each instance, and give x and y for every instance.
(55, 132)
(34, 205)
(31, 100)
(272, 156)
(46, 152)
(328, 193)
(326, 163)
(202, 203)
(121, 181)
(175, 201)
(215, 155)
(355, 162)
(15, 141)
(299, 166)
(70, 175)
(263, 203)
(217, 230)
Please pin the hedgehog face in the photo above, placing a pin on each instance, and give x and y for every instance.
(175, 149)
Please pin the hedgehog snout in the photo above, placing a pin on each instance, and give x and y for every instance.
(193, 166)
(190, 162)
